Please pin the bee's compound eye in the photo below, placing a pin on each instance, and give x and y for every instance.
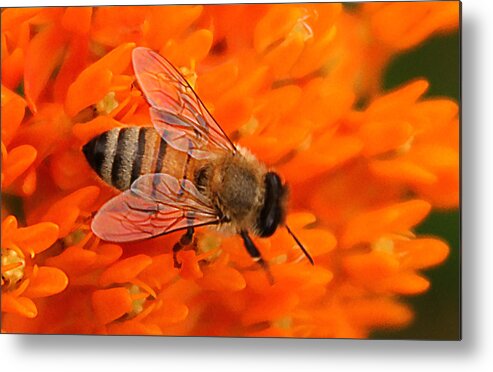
(271, 213)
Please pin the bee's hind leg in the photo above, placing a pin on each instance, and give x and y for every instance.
(186, 239)
(255, 254)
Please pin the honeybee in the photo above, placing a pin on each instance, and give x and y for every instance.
(183, 173)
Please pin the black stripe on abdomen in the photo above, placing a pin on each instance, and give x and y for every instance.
(139, 157)
(95, 150)
(160, 156)
(159, 165)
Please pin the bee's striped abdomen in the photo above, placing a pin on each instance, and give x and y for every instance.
(121, 155)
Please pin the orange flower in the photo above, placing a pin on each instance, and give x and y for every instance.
(282, 80)
(22, 279)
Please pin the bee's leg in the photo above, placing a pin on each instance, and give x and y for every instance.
(186, 239)
(255, 254)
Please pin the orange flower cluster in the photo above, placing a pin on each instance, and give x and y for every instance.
(282, 80)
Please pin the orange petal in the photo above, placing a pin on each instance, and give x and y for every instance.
(73, 260)
(47, 131)
(422, 253)
(111, 304)
(66, 210)
(77, 19)
(393, 102)
(317, 241)
(378, 313)
(436, 114)
(12, 17)
(285, 55)
(323, 156)
(383, 136)
(217, 79)
(274, 105)
(125, 270)
(13, 110)
(299, 220)
(160, 272)
(83, 198)
(46, 282)
(87, 131)
(117, 60)
(9, 226)
(405, 283)
(13, 68)
(73, 64)
(401, 170)
(298, 276)
(65, 219)
(69, 169)
(275, 303)
(17, 162)
(194, 48)
(176, 18)
(106, 255)
(416, 22)
(276, 25)
(95, 80)
(47, 46)
(190, 268)
(222, 279)
(169, 312)
(132, 327)
(314, 56)
(397, 218)
(28, 183)
(94, 83)
(37, 238)
(370, 266)
(18, 305)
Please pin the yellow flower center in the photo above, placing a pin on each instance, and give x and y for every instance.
(209, 242)
(139, 299)
(12, 268)
(249, 127)
(303, 28)
(107, 104)
(384, 244)
(190, 74)
(283, 323)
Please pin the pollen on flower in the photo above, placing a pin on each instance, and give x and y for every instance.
(406, 146)
(249, 127)
(12, 268)
(303, 29)
(383, 244)
(107, 104)
(208, 242)
(138, 300)
(283, 323)
(190, 74)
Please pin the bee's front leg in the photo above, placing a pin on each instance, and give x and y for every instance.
(186, 239)
(255, 254)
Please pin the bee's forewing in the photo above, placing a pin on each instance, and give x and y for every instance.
(177, 113)
(156, 204)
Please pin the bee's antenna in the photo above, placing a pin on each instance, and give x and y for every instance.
(300, 245)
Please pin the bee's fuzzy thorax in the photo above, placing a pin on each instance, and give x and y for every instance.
(236, 188)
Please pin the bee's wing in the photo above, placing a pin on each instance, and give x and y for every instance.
(177, 113)
(156, 204)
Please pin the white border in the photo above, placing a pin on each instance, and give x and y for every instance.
(474, 353)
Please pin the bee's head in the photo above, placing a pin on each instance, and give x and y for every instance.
(272, 212)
